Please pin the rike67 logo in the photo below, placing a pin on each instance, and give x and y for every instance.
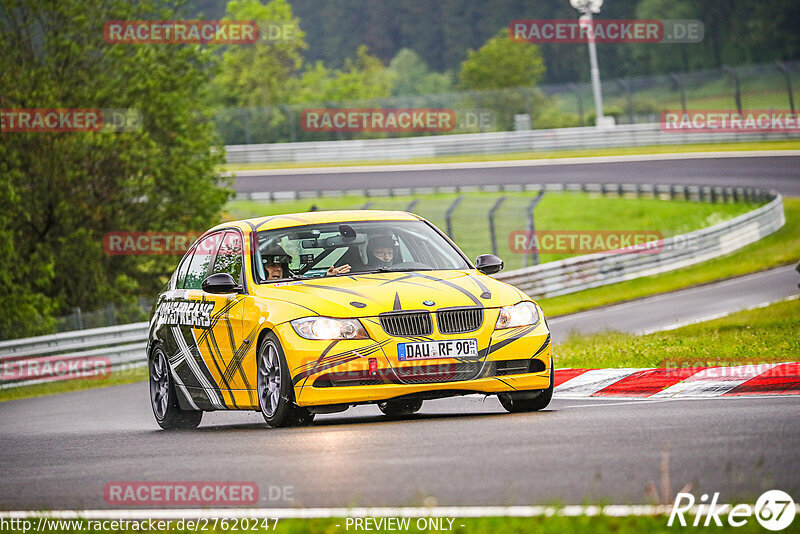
(774, 510)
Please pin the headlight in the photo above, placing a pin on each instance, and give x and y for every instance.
(521, 314)
(329, 328)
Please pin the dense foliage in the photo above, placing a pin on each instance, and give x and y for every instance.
(442, 32)
(61, 192)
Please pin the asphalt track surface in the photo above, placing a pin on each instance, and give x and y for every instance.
(58, 452)
(781, 173)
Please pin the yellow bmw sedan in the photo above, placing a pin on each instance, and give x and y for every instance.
(310, 313)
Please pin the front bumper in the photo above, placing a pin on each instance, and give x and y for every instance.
(327, 372)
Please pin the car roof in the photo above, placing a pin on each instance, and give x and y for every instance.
(288, 220)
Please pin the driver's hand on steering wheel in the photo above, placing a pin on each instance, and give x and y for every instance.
(342, 269)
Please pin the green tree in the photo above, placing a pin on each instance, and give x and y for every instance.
(62, 192)
(502, 76)
(257, 75)
(502, 63)
(669, 57)
(413, 77)
(363, 77)
(255, 80)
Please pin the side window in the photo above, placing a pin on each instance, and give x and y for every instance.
(229, 256)
(180, 275)
(198, 269)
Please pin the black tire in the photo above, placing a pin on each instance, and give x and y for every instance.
(275, 390)
(524, 402)
(163, 398)
(400, 408)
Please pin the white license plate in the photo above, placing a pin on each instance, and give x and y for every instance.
(426, 350)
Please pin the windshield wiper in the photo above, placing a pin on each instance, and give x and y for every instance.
(284, 279)
(387, 270)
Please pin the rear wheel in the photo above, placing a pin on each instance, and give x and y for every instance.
(163, 398)
(400, 408)
(275, 391)
(528, 401)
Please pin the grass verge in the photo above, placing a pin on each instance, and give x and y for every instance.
(578, 153)
(780, 248)
(126, 376)
(483, 525)
(764, 335)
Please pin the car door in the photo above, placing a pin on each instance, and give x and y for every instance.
(225, 342)
(185, 316)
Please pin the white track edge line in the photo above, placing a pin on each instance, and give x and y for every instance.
(774, 271)
(715, 316)
(615, 510)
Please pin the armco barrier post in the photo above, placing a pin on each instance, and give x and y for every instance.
(492, 213)
(580, 102)
(629, 98)
(785, 71)
(737, 87)
(449, 215)
(534, 255)
(680, 87)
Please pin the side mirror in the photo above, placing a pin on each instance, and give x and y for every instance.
(488, 264)
(220, 284)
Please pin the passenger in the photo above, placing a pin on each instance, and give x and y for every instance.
(342, 269)
(380, 252)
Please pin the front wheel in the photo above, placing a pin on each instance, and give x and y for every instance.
(525, 402)
(275, 392)
(163, 398)
(400, 408)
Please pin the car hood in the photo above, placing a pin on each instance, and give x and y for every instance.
(366, 295)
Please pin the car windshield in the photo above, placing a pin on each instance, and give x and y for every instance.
(366, 246)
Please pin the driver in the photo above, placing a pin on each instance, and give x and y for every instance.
(380, 252)
(276, 264)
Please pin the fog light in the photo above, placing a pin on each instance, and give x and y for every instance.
(373, 366)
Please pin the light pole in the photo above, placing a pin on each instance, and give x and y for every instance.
(587, 8)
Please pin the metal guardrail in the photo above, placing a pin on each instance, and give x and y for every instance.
(124, 345)
(593, 270)
(404, 148)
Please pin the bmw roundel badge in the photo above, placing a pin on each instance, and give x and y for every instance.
(428, 302)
